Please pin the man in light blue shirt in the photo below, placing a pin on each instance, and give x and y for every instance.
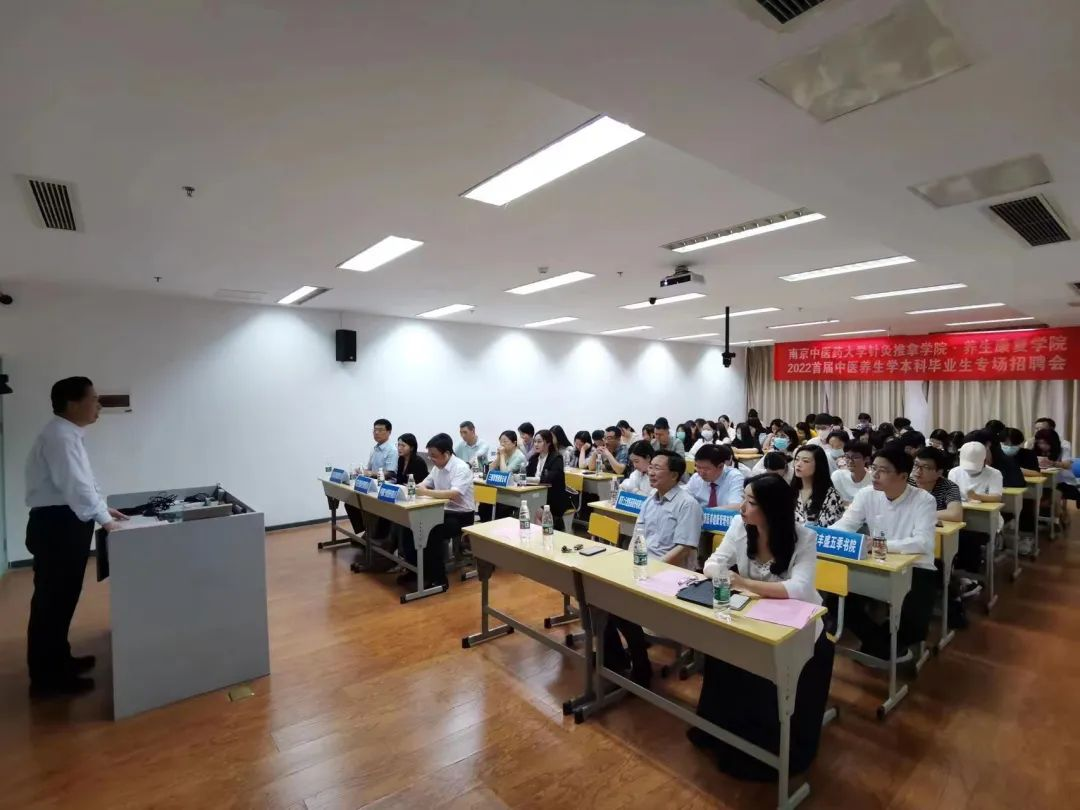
(470, 446)
(384, 454)
(671, 516)
(716, 483)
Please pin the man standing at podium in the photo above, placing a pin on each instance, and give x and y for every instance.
(65, 502)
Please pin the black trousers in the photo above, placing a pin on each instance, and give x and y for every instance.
(915, 616)
(745, 704)
(435, 552)
(634, 656)
(969, 552)
(60, 543)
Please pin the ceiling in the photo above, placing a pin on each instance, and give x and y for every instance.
(311, 131)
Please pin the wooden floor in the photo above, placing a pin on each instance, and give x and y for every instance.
(375, 704)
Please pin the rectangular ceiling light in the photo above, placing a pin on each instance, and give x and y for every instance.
(302, 295)
(626, 329)
(694, 337)
(796, 325)
(873, 264)
(751, 342)
(953, 309)
(550, 322)
(550, 283)
(909, 291)
(450, 310)
(856, 332)
(671, 299)
(994, 320)
(761, 311)
(585, 144)
(380, 253)
(745, 230)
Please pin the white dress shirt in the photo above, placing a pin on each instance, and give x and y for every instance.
(456, 476)
(798, 579)
(58, 473)
(908, 522)
(729, 487)
(637, 482)
(846, 486)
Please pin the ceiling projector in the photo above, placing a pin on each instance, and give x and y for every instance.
(682, 275)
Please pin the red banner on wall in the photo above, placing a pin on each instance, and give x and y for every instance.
(1038, 354)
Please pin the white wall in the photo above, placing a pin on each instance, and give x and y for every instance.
(252, 396)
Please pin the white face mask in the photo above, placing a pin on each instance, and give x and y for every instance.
(707, 435)
(836, 452)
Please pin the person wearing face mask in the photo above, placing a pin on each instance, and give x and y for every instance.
(687, 433)
(784, 443)
(834, 449)
(864, 423)
(1013, 446)
(707, 435)
(665, 440)
(775, 428)
(978, 482)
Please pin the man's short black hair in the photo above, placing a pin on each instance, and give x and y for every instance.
(441, 442)
(897, 456)
(838, 420)
(1047, 420)
(860, 448)
(69, 389)
(901, 423)
(939, 458)
(642, 449)
(775, 461)
(661, 424)
(597, 436)
(912, 439)
(864, 417)
(823, 419)
(837, 434)
(612, 429)
(527, 428)
(467, 424)
(384, 423)
(718, 454)
(675, 462)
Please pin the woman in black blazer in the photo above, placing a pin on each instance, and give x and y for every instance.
(409, 461)
(551, 473)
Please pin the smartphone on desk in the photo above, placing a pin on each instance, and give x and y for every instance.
(739, 601)
(592, 552)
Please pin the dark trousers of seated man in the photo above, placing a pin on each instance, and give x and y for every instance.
(435, 552)
(915, 616)
(634, 657)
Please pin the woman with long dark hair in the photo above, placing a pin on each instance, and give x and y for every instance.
(563, 445)
(745, 438)
(816, 499)
(547, 465)
(409, 461)
(775, 558)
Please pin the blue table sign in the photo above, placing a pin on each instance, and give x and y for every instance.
(718, 520)
(848, 545)
(498, 478)
(363, 483)
(337, 475)
(630, 502)
(389, 493)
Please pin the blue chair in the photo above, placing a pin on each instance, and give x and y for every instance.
(1076, 468)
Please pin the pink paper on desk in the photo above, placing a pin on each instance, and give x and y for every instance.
(666, 583)
(788, 612)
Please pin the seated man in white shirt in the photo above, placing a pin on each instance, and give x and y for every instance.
(671, 519)
(471, 446)
(450, 478)
(978, 481)
(906, 516)
(855, 476)
(640, 456)
(716, 483)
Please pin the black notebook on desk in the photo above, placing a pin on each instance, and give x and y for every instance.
(700, 593)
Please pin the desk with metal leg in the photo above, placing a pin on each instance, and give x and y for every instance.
(626, 520)
(1013, 498)
(599, 484)
(985, 518)
(889, 582)
(512, 496)
(946, 544)
(1034, 491)
(771, 651)
(1050, 474)
(420, 516)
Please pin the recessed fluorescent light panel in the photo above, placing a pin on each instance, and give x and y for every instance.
(953, 309)
(550, 283)
(909, 291)
(380, 253)
(856, 332)
(672, 299)
(994, 320)
(694, 337)
(857, 267)
(442, 311)
(745, 230)
(550, 322)
(302, 295)
(624, 330)
(751, 342)
(761, 311)
(796, 325)
(584, 145)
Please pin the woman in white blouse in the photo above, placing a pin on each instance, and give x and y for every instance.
(775, 558)
(641, 453)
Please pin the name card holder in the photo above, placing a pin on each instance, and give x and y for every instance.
(364, 484)
(389, 493)
(498, 478)
(848, 545)
(630, 502)
(718, 520)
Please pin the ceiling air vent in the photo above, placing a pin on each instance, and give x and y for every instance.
(52, 203)
(247, 296)
(1033, 219)
(784, 11)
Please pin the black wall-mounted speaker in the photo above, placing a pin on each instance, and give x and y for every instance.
(345, 345)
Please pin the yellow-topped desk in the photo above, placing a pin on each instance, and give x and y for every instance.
(946, 544)
(511, 495)
(1034, 492)
(986, 518)
(420, 516)
(626, 520)
(774, 652)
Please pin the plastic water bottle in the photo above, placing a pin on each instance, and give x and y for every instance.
(721, 594)
(878, 546)
(548, 524)
(475, 466)
(614, 494)
(410, 487)
(382, 477)
(640, 554)
(524, 524)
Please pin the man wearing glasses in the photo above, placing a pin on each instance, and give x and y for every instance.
(929, 474)
(856, 476)
(907, 516)
(672, 519)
